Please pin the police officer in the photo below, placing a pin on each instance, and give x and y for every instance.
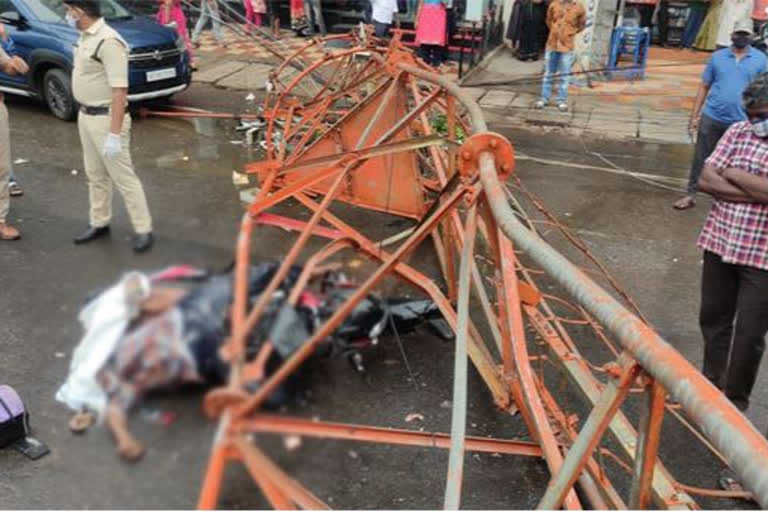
(100, 86)
(10, 66)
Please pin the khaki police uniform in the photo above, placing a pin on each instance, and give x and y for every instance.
(5, 149)
(101, 63)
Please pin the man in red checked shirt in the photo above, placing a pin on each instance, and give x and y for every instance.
(734, 289)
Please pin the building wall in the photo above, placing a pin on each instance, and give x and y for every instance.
(594, 43)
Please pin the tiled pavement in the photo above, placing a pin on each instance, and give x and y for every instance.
(655, 109)
(239, 45)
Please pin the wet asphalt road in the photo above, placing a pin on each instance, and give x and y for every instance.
(186, 169)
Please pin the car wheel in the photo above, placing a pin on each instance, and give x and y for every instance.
(57, 91)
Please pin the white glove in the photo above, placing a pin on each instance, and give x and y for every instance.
(112, 145)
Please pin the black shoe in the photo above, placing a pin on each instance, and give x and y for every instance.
(143, 242)
(91, 234)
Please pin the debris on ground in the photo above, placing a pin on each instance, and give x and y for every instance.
(239, 179)
(414, 416)
(292, 442)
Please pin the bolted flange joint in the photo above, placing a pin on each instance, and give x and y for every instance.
(493, 143)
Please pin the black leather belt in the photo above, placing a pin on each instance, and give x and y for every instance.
(94, 111)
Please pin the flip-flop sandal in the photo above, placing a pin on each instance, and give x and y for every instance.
(81, 422)
(689, 204)
(15, 190)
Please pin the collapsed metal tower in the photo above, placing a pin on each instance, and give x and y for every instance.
(372, 126)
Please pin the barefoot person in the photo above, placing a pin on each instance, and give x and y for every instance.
(727, 74)
(10, 66)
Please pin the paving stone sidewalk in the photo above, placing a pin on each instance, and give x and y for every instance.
(655, 109)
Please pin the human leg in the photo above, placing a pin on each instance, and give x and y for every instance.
(719, 296)
(749, 332)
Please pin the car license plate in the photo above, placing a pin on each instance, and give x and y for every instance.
(161, 74)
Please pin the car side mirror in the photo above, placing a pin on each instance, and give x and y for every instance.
(12, 18)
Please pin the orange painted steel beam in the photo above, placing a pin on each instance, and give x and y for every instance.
(362, 433)
(648, 446)
(292, 364)
(257, 462)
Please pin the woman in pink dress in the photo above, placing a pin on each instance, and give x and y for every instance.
(254, 11)
(430, 31)
(170, 12)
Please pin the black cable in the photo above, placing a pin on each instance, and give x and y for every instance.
(402, 350)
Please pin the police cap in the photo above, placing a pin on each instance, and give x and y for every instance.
(91, 8)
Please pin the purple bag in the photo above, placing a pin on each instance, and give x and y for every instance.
(13, 416)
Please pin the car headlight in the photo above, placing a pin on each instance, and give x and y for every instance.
(180, 44)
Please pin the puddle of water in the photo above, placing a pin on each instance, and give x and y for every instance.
(203, 144)
(207, 127)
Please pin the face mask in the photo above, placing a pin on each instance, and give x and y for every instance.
(740, 41)
(760, 128)
(71, 20)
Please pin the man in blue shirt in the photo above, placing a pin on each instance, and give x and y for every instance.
(723, 82)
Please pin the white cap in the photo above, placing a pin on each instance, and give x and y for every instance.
(743, 26)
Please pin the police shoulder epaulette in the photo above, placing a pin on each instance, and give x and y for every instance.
(95, 55)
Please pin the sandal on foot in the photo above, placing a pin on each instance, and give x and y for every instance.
(684, 203)
(14, 189)
(81, 421)
(8, 232)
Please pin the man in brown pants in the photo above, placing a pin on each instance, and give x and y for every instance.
(10, 66)
(100, 86)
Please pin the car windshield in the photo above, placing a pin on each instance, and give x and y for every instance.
(53, 11)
